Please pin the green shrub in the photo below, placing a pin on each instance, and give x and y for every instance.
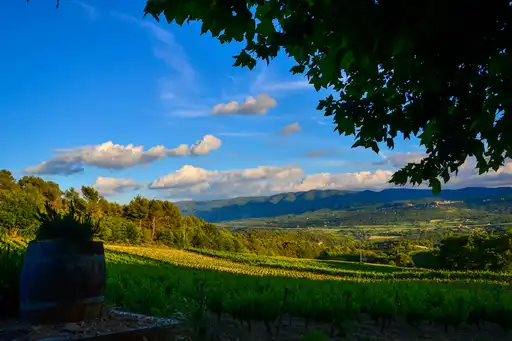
(11, 261)
(68, 226)
(427, 259)
(403, 260)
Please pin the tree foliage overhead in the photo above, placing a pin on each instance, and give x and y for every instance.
(436, 70)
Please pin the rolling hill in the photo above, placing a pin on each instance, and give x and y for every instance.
(302, 202)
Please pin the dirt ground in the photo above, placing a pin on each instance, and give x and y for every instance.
(364, 330)
(228, 329)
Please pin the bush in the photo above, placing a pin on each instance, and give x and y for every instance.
(11, 261)
(69, 226)
(117, 229)
(427, 259)
(165, 236)
(404, 259)
(477, 251)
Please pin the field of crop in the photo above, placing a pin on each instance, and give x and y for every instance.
(241, 296)
(283, 303)
(357, 271)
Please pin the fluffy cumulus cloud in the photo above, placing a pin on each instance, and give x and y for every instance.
(291, 128)
(198, 183)
(113, 186)
(194, 182)
(115, 156)
(252, 106)
(468, 176)
(350, 181)
(204, 146)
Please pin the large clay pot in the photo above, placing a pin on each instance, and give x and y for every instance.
(62, 281)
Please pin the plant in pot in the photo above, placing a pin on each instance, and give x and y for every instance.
(63, 275)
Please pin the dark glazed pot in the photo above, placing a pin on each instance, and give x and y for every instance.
(62, 281)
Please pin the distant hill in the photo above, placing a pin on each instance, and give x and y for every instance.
(301, 202)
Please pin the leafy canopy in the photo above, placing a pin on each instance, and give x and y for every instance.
(437, 70)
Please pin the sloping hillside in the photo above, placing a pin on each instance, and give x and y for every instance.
(301, 202)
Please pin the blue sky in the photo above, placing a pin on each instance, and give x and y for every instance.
(94, 72)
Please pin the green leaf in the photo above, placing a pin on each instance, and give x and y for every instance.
(347, 60)
(345, 124)
(412, 91)
(498, 64)
(244, 59)
(266, 27)
(204, 28)
(399, 177)
(296, 69)
(436, 185)
(365, 61)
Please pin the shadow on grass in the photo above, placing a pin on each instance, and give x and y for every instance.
(145, 285)
(347, 265)
(354, 271)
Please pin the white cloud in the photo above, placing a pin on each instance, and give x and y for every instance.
(399, 160)
(349, 181)
(468, 176)
(113, 186)
(199, 183)
(252, 106)
(115, 156)
(291, 128)
(207, 144)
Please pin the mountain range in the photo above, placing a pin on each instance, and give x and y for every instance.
(302, 202)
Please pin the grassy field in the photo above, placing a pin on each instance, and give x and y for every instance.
(228, 296)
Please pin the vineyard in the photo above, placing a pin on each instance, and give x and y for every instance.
(356, 270)
(283, 304)
(227, 296)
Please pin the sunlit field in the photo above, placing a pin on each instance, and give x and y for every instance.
(263, 298)
(162, 281)
(256, 265)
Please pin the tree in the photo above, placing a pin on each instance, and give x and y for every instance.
(74, 202)
(155, 213)
(440, 71)
(92, 199)
(7, 181)
(17, 213)
(137, 209)
(172, 214)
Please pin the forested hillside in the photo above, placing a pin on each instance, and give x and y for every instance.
(146, 221)
(301, 202)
